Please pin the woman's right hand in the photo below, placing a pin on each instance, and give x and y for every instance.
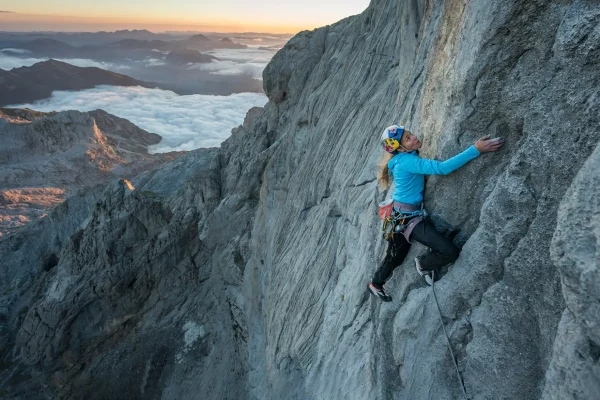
(485, 144)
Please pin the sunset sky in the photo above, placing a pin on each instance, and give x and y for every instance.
(276, 16)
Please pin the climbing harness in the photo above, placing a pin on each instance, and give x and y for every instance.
(396, 221)
(462, 385)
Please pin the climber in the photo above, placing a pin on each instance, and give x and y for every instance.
(401, 157)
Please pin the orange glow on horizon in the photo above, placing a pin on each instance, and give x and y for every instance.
(35, 22)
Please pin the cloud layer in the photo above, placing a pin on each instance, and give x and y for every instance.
(19, 51)
(184, 122)
(237, 62)
(251, 61)
(8, 61)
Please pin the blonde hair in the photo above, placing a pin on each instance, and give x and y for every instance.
(384, 173)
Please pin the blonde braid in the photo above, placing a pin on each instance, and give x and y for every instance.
(384, 173)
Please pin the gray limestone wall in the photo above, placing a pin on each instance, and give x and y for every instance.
(245, 277)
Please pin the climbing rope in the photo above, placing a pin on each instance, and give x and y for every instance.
(462, 385)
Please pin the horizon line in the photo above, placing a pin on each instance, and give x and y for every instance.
(25, 22)
(153, 32)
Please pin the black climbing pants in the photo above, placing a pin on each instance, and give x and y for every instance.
(443, 251)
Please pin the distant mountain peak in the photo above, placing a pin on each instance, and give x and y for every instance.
(230, 44)
(52, 61)
(27, 84)
(134, 31)
(199, 38)
(186, 56)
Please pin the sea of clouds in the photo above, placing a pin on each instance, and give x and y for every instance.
(251, 61)
(184, 122)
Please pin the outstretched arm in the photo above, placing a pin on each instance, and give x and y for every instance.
(426, 166)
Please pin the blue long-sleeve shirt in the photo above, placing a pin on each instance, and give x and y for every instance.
(409, 172)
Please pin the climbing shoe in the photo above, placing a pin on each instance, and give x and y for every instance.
(378, 292)
(428, 279)
(424, 272)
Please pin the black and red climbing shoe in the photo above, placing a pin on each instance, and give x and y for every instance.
(378, 292)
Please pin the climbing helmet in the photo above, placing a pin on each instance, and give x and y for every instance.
(391, 138)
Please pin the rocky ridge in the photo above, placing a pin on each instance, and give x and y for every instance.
(46, 157)
(245, 279)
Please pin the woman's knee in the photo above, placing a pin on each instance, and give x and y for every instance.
(452, 252)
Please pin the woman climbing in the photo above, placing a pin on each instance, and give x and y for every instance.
(402, 158)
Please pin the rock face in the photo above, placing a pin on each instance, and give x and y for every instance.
(245, 277)
(45, 157)
(574, 372)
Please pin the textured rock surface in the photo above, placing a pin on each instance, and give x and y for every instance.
(245, 279)
(574, 372)
(45, 157)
